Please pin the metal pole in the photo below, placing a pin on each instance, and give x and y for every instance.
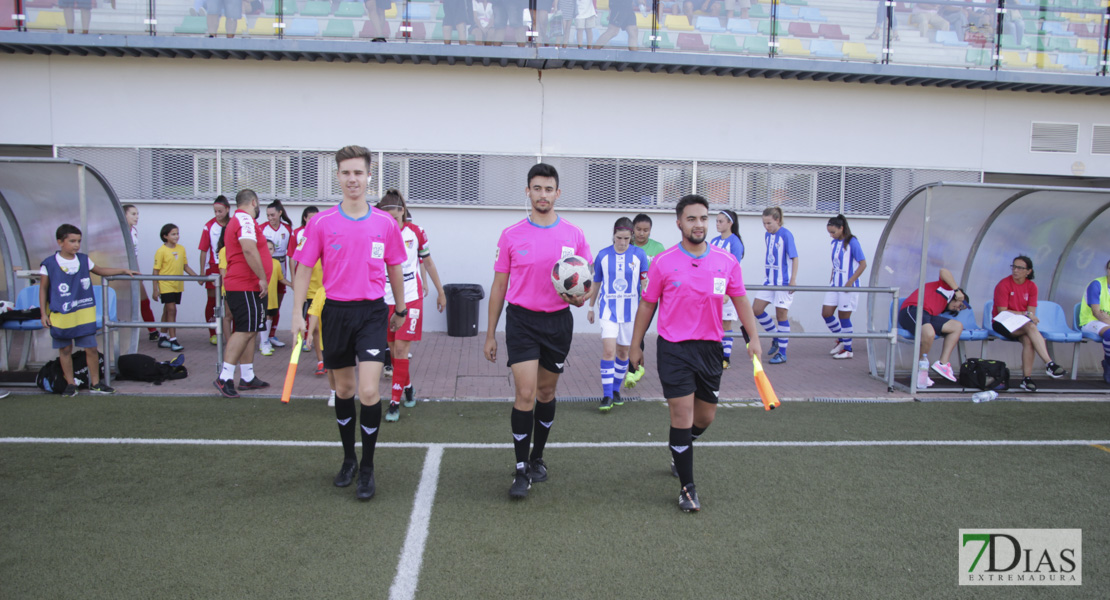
(220, 326)
(84, 211)
(107, 334)
(921, 289)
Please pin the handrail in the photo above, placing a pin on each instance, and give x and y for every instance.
(109, 324)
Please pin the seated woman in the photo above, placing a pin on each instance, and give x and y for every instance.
(943, 301)
(1094, 316)
(1018, 294)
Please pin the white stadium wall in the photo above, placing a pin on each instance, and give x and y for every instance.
(142, 102)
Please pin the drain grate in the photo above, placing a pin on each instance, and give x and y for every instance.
(857, 400)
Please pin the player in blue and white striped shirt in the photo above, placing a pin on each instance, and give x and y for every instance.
(621, 270)
(729, 240)
(848, 264)
(780, 251)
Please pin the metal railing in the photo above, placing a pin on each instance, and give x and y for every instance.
(891, 335)
(977, 34)
(110, 324)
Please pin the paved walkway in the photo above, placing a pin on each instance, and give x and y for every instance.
(453, 368)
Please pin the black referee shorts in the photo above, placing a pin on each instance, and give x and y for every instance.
(248, 311)
(531, 335)
(353, 331)
(690, 367)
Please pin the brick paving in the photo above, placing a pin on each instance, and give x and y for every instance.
(453, 368)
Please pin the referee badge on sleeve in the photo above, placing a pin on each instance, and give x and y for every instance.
(719, 286)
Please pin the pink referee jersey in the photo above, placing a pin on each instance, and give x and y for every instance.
(354, 252)
(690, 289)
(527, 252)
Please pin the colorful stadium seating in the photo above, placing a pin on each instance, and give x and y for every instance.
(831, 31)
(691, 42)
(801, 30)
(743, 26)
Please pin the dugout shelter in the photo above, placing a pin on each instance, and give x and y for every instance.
(975, 230)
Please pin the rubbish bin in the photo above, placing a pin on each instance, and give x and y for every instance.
(462, 308)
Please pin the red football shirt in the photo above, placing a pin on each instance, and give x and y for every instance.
(242, 229)
(1014, 296)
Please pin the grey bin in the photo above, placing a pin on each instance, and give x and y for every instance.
(462, 308)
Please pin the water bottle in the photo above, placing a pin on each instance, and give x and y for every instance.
(986, 396)
(923, 372)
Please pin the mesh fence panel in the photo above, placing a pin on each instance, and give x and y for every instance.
(500, 180)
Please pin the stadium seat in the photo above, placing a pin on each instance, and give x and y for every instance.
(27, 299)
(351, 9)
(1082, 30)
(1087, 45)
(303, 27)
(391, 12)
(419, 12)
(341, 28)
(288, 6)
(831, 31)
(742, 26)
(858, 51)
(792, 47)
(948, 38)
(1062, 44)
(263, 26)
(663, 43)
(643, 21)
(1075, 324)
(691, 42)
(1014, 60)
(316, 8)
(709, 25)
(758, 12)
(796, 2)
(725, 43)
(787, 13)
(602, 4)
(48, 19)
(240, 26)
(1009, 42)
(1044, 61)
(826, 49)
(1073, 62)
(979, 57)
(780, 28)
(802, 30)
(755, 44)
(811, 14)
(1055, 28)
(197, 25)
(414, 31)
(678, 23)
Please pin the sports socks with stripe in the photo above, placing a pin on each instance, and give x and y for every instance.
(833, 324)
(521, 423)
(607, 367)
(1106, 344)
(784, 327)
(682, 451)
(370, 420)
(545, 417)
(726, 345)
(619, 371)
(846, 330)
(345, 417)
(766, 321)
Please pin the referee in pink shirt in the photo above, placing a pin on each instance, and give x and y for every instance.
(356, 245)
(538, 323)
(689, 282)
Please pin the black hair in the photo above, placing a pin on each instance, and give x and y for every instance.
(281, 209)
(65, 230)
(734, 225)
(687, 200)
(1028, 263)
(220, 241)
(641, 218)
(222, 201)
(307, 213)
(967, 301)
(166, 229)
(245, 196)
(842, 222)
(623, 223)
(543, 170)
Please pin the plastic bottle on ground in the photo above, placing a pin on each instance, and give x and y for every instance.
(986, 396)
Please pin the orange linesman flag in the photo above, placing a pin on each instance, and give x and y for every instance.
(291, 372)
(766, 392)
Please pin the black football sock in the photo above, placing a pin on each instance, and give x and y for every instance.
(345, 416)
(369, 420)
(521, 423)
(545, 416)
(682, 450)
(695, 432)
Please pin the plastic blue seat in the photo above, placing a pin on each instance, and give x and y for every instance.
(787, 13)
(1054, 325)
(419, 12)
(972, 332)
(743, 26)
(826, 48)
(1075, 324)
(811, 14)
(100, 309)
(303, 27)
(709, 25)
(27, 299)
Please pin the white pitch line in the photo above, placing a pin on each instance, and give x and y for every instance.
(493, 446)
(412, 553)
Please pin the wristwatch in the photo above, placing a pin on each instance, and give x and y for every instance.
(401, 313)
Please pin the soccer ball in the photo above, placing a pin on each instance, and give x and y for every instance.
(571, 275)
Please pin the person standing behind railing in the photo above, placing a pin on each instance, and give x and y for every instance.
(213, 229)
(728, 239)
(1094, 316)
(131, 213)
(278, 230)
(170, 259)
(848, 264)
(779, 249)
